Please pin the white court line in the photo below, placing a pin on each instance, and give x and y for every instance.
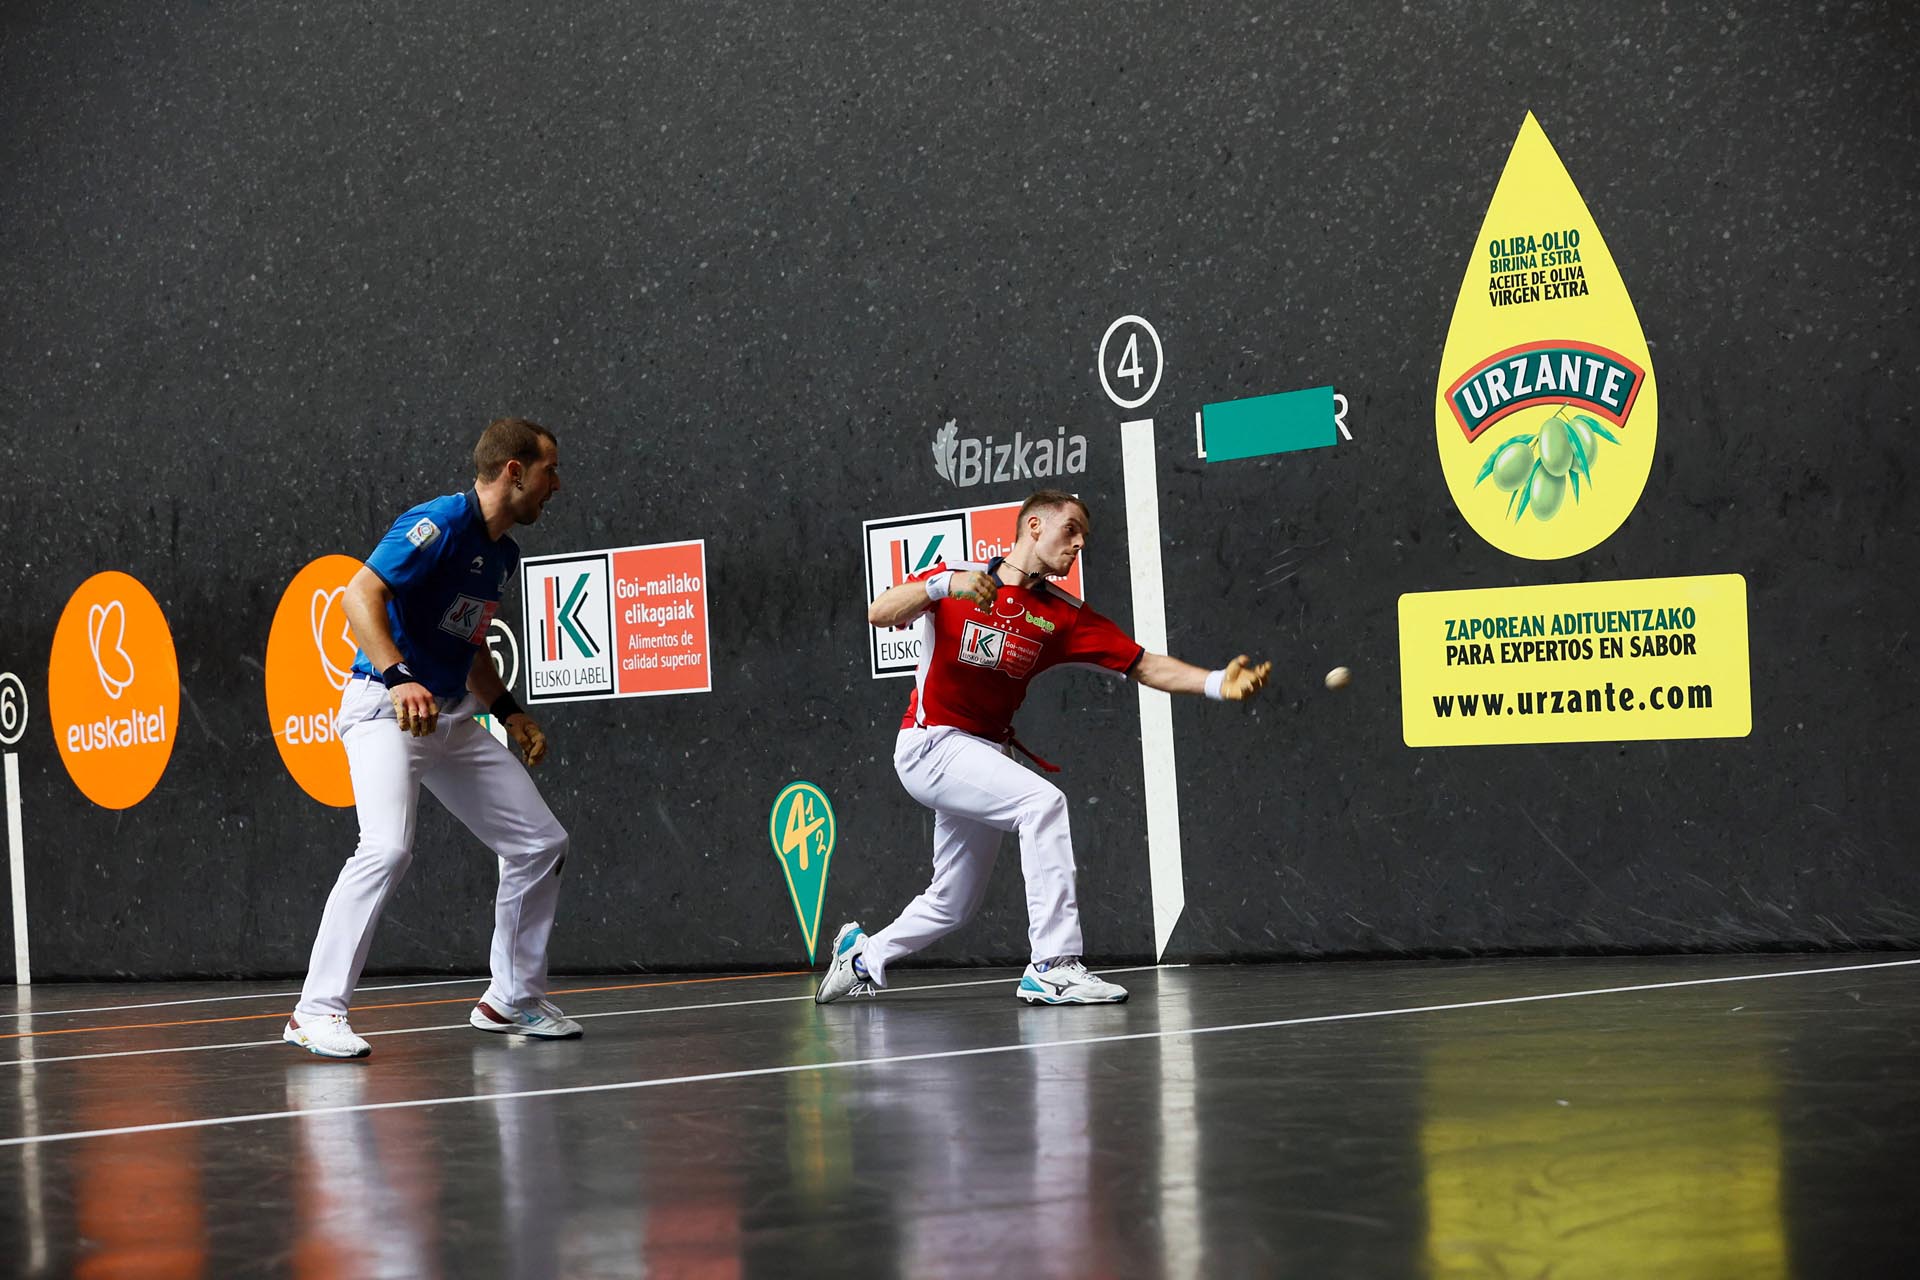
(1158, 760)
(17, 873)
(258, 995)
(846, 1063)
(27, 1061)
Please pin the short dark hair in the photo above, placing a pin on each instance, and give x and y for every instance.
(1047, 500)
(508, 440)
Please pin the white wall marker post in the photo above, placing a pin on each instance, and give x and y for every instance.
(13, 724)
(17, 874)
(1142, 480)
(1159, 772)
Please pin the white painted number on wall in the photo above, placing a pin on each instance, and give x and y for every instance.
(13, 708)
(1130, 362)
(1127, 362)
(505, 652)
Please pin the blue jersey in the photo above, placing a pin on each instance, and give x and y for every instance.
(447, 577)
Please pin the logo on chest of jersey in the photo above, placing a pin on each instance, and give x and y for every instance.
(984, 646)
(468, 618)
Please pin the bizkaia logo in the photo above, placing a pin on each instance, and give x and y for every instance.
(310, 652)
(903, 546)
(970, 460)
(113, 690)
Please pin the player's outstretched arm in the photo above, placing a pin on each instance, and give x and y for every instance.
(1237, 681)
(897, 606)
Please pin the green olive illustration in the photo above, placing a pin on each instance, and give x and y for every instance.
(1556, 452)
(1546, 493)
(1584, 434)
(1510, 467)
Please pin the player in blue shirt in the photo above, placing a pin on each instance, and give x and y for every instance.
(420, 609)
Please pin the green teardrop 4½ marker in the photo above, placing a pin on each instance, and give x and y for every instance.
(802, 829)
(1545, 363)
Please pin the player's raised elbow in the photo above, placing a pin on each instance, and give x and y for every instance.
(881, 617)
(897, 606)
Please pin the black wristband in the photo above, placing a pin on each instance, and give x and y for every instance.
(398, 674)
(504, 707)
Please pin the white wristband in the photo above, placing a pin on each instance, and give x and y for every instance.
(937, 585)
(1215, 679)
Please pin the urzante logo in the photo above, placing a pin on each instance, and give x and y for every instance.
(971, 460)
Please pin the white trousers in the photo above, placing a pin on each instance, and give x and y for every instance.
(481, 783)
(976, 792)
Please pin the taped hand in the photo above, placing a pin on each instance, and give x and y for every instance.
(978, 587)
(417, 711)
(527, 736)
(1243, 680)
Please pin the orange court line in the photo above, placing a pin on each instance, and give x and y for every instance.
(404, 1004)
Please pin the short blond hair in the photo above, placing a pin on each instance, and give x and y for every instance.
(1047, 500)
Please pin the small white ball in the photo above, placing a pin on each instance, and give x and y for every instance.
(1338, 678)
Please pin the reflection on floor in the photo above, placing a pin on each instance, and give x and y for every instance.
(1356, 1119)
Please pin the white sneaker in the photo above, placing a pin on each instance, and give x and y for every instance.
(542, 1019)
(1067, 982)
(328, 1035)
(842, 978)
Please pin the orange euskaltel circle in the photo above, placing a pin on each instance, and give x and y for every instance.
(309, 653)
(113, 690)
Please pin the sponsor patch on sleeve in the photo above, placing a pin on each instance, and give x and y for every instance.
(423, 533)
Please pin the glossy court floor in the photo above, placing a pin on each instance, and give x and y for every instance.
(1676, 1117)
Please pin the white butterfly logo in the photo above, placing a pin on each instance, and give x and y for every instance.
(116, 656)
(319, 612)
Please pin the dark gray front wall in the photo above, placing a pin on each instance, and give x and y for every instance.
(266, 269)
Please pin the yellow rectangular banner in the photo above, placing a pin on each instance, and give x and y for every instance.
(1583, 662)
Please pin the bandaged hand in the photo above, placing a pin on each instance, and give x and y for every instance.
(526, 734)
(1243, 680)
(416, 710)
(980, 588)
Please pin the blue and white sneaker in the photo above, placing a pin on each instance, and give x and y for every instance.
(540, 1019)
(1067, 981)
(846, 972)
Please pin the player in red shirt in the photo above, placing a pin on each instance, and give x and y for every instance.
(988, 630)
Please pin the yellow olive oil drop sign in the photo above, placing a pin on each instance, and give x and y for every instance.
(1546, 404)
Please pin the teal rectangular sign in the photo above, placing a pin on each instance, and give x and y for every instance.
(1260, 425)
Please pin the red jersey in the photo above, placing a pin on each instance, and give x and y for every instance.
(975, 666)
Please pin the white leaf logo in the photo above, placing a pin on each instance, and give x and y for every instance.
(946, 446)
(98, 617)
(319, 613)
